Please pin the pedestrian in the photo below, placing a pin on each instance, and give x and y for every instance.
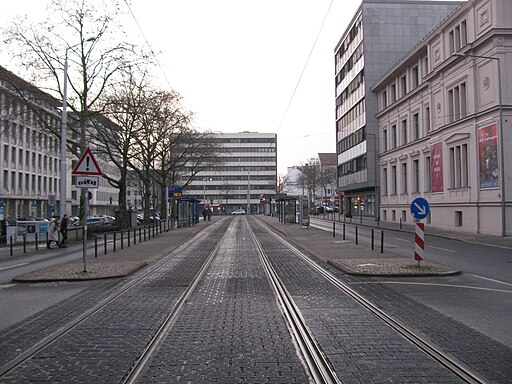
(204, 213)
(53, 233)
(64, 230)
(209, 214)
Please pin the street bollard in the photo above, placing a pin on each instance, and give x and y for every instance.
(122, 245)
(128, 237)
(373, 247)
(381, 241)
(96, 246)
(105, 242)
(144, 233)
(10, 245)
(140, 235)
(400, 223)
(333, 229)
(37, 241)
(134, 236)
(343, 231)
(24, 243)
(356, 235)
(114, 246)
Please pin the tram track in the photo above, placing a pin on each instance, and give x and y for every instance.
(316, 362)
(427, 347)
(40, 345)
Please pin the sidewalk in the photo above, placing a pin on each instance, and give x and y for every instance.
(344, 255)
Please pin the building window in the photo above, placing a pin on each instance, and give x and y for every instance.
(415, 76)
(403, 85)
(458, 37)
(404, 131)
(384, 99)
(385, 140)
(416, 126)
(458, 218)
(459, 173)
(404, 178)
(393, 93)
(416, 176)
(393, 136)
(457, 102)
(427, 119)
(428, 175)
(384, 181)
(393, 180)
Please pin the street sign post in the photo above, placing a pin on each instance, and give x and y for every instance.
(420, 209)
(86, 166)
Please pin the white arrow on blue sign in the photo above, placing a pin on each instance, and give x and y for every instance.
(420, 208)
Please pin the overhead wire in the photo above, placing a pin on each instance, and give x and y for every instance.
(304, 68)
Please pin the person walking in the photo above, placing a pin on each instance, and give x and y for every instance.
(205, 213)
(64, 230)
(209, 213)
(53, 233)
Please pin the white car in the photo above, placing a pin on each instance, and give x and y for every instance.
(240, 211)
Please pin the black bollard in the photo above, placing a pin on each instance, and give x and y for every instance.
(10, 245)
(95, 246)
(373, 246)
(37, 241)
(114, 245)
(333, 229)
(105, 242)
(356, 235)
(343, 231)
(381, 241)
(122, 245)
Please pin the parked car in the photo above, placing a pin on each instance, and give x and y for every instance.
(239, 211)
(98, 221)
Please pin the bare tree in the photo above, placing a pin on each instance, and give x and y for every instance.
(282, 183)
(309, 179)
(82, 39)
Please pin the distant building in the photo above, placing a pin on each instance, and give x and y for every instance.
(30, 156)
(246, 172)
(380, 33)
(441, 136)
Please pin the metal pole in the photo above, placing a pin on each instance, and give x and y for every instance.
(86, 215)
(373, 240)
(502, 159)
(381, 241)
(63, 139)
(333, 229)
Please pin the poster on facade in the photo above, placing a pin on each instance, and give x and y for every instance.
(488, 156)
(436, 165)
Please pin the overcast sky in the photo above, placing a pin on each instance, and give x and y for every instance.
(237, 63)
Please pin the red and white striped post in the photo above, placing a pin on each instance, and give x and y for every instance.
(419, 243)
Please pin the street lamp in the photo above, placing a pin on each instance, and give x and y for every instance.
(64, 132)
(502, 154)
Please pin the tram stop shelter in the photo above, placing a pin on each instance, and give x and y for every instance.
(185, 211)
(287, 209)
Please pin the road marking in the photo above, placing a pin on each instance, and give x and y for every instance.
(4, 286)
(446, 285)
(493, 280)
(405, 241)
(12, 266)
(442, 249)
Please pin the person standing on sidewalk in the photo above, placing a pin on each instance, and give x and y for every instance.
(53, 233)
(64, 231)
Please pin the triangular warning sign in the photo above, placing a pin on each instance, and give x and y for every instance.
(87, 165)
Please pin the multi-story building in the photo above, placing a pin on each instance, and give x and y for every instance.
(447, 137)
(30, 156)
(247, 169)
(380, 33)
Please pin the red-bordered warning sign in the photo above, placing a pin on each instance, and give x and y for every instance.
(87, 165)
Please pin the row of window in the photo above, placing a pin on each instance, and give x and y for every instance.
(24, 183)
(252, 140)
(407, 131)
(351, 140)
(248, 159)
(352, 166)
(351, 115)
(202, 179)
(21, 135)
(20, 158)
(248, 149)
(405, 177)
(228, 187)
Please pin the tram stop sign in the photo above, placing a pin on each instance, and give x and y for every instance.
(420, 208)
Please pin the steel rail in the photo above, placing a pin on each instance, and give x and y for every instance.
(140, 365)
(46, 341)
(316, 362)
(446, 359)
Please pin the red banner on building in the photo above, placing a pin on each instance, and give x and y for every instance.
(436, 165)
(488, 156)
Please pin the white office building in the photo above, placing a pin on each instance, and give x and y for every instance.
(247, 170)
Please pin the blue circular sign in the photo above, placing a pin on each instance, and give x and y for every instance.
(420, 208)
